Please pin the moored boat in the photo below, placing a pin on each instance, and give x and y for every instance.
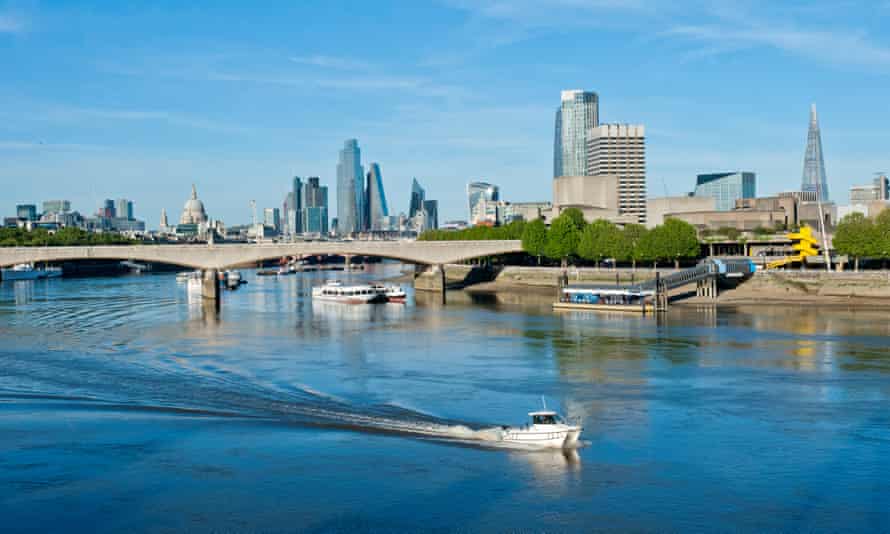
(335, 291)
(391, 293)
(27, 271)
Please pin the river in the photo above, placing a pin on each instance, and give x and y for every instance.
(126, 406)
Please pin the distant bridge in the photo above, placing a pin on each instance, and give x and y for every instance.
(223, 256)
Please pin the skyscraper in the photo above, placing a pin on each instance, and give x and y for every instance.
(272, 219)
(481, 199)
(295, 216)
(431, 208)
(620, 150)
(376, 208)
(124, 209)
(350, 189)
(56, 206)
(418, 195)
(27, 212)
(578, 112)
(315, 206)
(814, 178)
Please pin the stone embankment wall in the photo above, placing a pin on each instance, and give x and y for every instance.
(544, 277)
(818, 285)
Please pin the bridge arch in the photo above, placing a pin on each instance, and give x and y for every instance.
(222, 256)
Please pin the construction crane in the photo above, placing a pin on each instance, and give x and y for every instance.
(803, 242)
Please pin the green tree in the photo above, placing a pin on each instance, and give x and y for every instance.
(651, 246)
(576, 216)
(562, 239)
(534, 238)
(856, 235)
(680, 240)
(599, 240)
(882, 235)
(631, 238)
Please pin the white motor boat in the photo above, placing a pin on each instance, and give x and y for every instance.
(547, 429)
(27, 271)
(335, 291)
(188, 275)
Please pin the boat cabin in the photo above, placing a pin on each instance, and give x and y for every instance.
(545, 417)
(603, 296)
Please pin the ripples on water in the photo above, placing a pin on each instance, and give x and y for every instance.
(739, 417)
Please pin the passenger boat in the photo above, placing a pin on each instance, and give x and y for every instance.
(27, 271)
(392, 293)
(335, 291)
(547, 429)
(583, 297)
(188, 275)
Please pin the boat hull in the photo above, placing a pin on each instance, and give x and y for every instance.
(565, 437)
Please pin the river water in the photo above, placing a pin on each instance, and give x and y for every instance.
(126, 406)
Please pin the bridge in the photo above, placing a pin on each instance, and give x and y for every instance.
(211, 258)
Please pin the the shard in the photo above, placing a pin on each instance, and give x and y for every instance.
(813, 164)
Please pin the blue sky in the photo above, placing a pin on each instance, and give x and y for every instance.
(110, 99)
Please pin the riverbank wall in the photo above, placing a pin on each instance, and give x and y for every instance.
(871, 288)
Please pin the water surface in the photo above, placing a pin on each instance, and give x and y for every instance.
(127, 406)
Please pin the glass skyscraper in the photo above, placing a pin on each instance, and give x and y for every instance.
(726, 187)
(481, 195)
(376, 208)
(315, 206)
(814, 179)
(418, 195)
(578, 112)
(350, 189)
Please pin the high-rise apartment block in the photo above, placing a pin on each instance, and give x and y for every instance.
(620, 150)
(577, 114)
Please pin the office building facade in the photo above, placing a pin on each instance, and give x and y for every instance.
(56, 206)
(27, 212)
(620, 150)
(375, 200)
(480, 199)
(418, 195)
(272, 219)
(577, 114)
(350, 189)
(315, 206)
(726, 188)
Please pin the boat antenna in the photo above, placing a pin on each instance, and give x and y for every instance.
(544, 402)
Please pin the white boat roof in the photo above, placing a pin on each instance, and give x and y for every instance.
(542, 412)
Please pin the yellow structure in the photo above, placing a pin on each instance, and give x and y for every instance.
(805, 245)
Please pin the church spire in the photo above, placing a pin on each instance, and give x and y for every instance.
(194, 193)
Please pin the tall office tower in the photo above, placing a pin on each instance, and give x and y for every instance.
(56, 206)
(418, 195)
(107, 210)
(272, 219)
(620, 150)
(27, 212)
(350, 189)
(577, 114)
(288, 225)
(814, 178)
(431, 208)
(315, 206)
(124, 209)
(481, 199)
(376, 208)
(295, 217)
(164, 222)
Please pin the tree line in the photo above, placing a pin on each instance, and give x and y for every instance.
(858, 236)
(68, 236)
(570, 237)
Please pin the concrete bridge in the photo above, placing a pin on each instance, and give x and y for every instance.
(212, 258)
(223, 256)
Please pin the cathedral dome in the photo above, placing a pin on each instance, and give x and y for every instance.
(193, 211)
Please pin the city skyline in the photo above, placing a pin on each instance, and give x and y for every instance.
(114, 117)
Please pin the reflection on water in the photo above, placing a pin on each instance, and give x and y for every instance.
(706, 416)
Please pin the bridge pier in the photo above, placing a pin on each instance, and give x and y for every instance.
(348, 265)
(442, 283)
(210, 285)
